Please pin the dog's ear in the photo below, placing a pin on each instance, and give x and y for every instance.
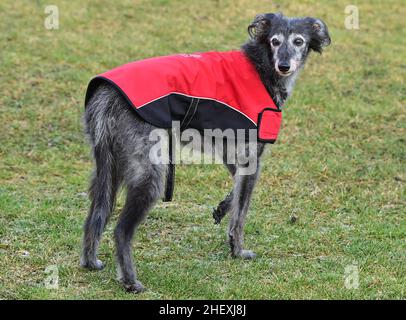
(260, 27)
(319, 36)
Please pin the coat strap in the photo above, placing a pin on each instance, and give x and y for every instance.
(170, 174)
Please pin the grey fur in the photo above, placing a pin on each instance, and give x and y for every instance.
(119, 140)
(120, 144)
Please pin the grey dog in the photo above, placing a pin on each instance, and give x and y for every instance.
(278, 47)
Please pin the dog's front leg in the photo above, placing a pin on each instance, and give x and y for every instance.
(242, 192)
(225, 206)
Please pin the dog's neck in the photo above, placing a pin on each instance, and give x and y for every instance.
(279, 88)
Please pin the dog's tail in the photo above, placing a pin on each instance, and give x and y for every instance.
(99, 124)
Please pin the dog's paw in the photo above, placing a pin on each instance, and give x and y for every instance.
(218, 215)
(136, 287)
(245, 254)
(92, 265)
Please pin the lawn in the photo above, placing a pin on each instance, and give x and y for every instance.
(339, 165)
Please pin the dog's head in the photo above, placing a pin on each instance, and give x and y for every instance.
(288, 40)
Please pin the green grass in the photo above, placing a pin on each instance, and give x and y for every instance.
(339, 164)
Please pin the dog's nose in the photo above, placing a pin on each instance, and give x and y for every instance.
(284, 67)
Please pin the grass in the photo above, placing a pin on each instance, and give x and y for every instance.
(339, 165)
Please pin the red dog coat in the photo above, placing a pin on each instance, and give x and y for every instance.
(203, 91)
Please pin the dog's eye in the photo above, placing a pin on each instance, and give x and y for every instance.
(298, 42)
(275, 42)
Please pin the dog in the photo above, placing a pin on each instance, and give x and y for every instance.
(277, 48)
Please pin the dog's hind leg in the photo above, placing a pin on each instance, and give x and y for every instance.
(103, 188)
(143, 189)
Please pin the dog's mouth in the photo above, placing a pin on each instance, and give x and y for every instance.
(285, 73)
